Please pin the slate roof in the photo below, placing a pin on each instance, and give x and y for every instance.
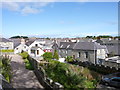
(88, 46)
(67, 45)
(28, 43)
(81, 45)
(5, 40)
(115, 49)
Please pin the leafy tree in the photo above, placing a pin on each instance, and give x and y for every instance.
(47, 56)
(55, 55)
(20, 37)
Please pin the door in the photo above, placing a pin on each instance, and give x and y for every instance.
(37, 52)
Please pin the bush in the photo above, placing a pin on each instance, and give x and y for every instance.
(28, 65)
(47, 55)
(69, 59)
(24, 55)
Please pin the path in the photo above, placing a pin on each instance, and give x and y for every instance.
(22, 77)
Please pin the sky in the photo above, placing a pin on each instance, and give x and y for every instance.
(59, 19)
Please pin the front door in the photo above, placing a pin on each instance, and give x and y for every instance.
(37, 52)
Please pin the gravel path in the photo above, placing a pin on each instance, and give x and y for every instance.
(22, 77)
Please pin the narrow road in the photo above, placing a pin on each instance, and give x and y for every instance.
(22, 77)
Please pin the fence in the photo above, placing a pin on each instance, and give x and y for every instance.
(42, 77)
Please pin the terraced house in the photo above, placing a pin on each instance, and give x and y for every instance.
(84, 51)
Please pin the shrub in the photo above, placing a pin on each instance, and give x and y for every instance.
(24, 55)
(69, 59)
(6, 68)
(55, 55)
(47, 55)
(28, 65)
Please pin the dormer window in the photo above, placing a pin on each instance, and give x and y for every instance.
(68, 46)
(61, 46)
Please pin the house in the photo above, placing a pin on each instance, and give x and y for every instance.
(35, 47)
(84, 51)
(6, 44)
(20, 46)
(113, 46)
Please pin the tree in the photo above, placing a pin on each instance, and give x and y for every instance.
(47, 55)
(55, 55)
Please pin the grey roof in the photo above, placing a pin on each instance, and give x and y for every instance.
(28, 43)
(66, 45)
(16, 44)
(88, 46)
(5, 40)
(115, 49)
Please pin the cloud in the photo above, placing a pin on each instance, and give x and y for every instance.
(25, 8)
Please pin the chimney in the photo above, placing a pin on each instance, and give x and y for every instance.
(22, 41)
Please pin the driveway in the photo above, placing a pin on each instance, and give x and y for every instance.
(22, 77)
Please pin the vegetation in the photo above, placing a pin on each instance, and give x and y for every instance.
(24, 55)
(8, 50)
(47, 56)
(69, 59)
(71, 76)
(5, 68)
(104, 36)
(28, 65)
(20, 37)
(55, 55)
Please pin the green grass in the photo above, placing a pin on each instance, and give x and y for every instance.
(9, 50)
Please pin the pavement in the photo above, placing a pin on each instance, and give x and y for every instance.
(22, 77)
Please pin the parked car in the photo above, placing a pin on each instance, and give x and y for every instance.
(111, 80)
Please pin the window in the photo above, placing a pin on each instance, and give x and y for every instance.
(86, 54)
(79, 54)
(32, 51)
(61, 46)
(24, 46)
(36, 45)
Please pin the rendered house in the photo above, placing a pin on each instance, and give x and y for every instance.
(84, 51)
(35, 48)
(20, 46)
(6, 44)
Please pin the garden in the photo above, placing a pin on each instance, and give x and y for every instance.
(70, 76)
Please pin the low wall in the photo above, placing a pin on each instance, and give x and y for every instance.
(42, 77)
(102, 69)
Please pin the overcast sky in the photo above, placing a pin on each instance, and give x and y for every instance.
(59, 19)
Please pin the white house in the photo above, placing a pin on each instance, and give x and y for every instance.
(35, 48)
(6, 44)
(21, 47)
